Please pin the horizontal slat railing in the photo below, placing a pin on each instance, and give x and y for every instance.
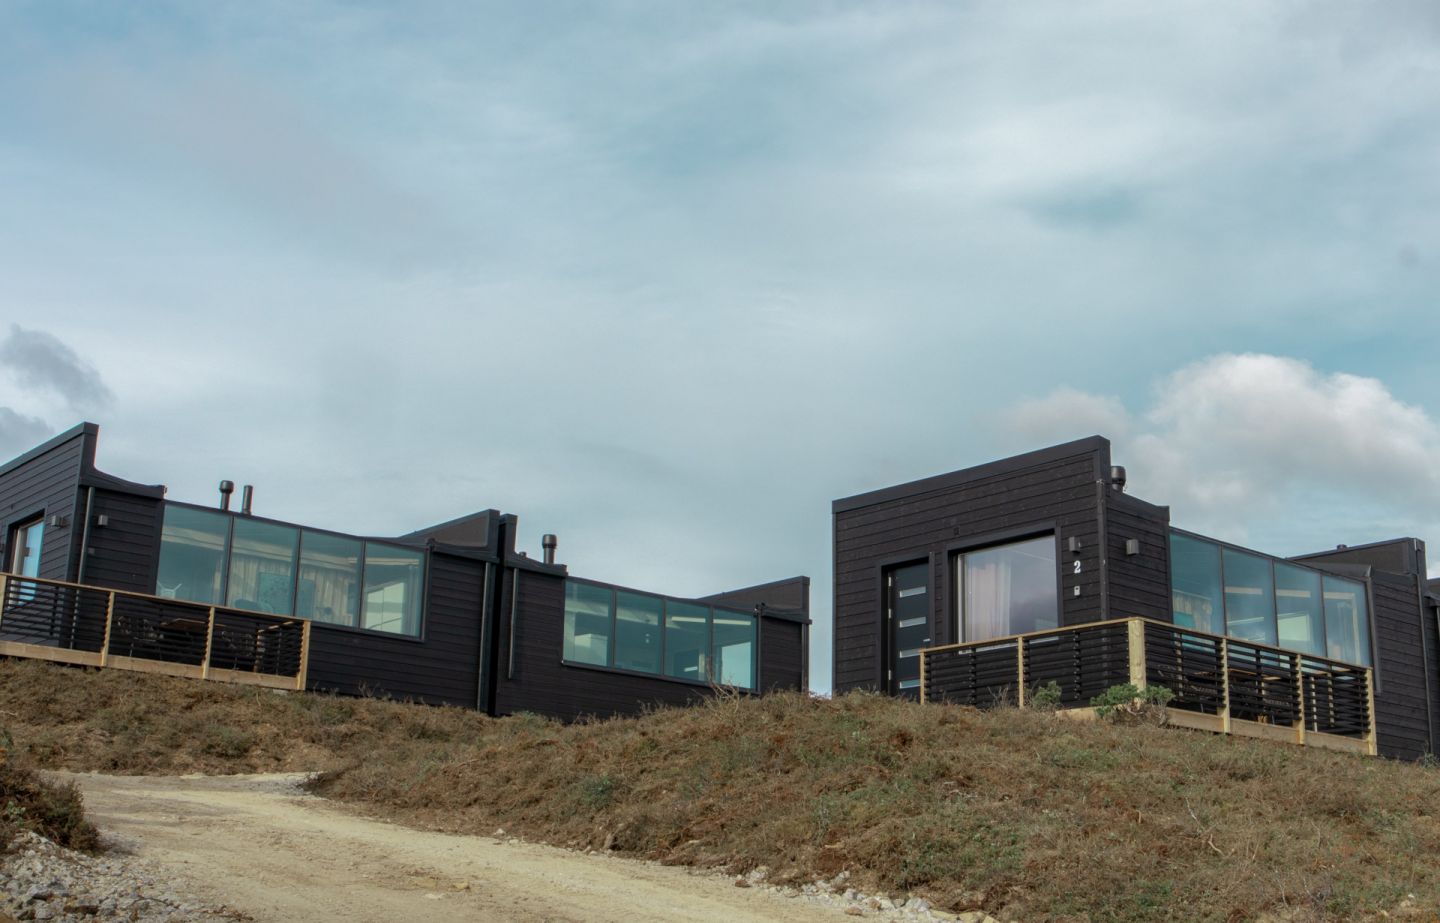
(1221, 684)
(94, 626)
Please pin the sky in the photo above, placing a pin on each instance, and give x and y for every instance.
(667, 279)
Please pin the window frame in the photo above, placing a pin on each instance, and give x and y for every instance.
(13, 543)
(661, 675)
(1366, 582)
(422, 614)
(954, 574)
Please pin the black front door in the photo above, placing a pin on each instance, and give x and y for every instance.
(907, 614)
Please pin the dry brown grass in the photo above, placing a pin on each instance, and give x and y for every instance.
(1034, 815)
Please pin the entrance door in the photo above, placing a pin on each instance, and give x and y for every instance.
(25, 554)
(907, 613)
(25, 548)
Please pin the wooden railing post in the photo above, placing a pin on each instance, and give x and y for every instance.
(1299, 665)
(921, 655)
(1020, 667)
(4, 593)
(1372, 742)
(303, 672)
(109, 623)
(209, 645)
(1136, 631)
(1225, 685)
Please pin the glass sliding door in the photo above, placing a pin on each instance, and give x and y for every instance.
(1009, 589)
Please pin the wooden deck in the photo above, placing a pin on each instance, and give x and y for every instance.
(93, 626)
(1219, 684)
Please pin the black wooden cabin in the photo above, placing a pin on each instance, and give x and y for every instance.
(449, 614)
(1037, 543)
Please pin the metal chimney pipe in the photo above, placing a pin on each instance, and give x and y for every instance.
(549, 542)
(226, 489)
(247, 495)
(1117, 477)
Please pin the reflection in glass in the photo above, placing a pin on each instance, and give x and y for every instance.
(1249, 597)
(193, 547)
(329, 586)
(262, 566)
(587, 623)
(1347, 625)
(1298, 610)
(1195, 599)
(392, 589)
(687, 637)
(637, 632)
(1010, 589)
(734, 649)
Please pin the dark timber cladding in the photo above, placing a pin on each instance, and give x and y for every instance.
(441, 667)
(432, 616)
(1059, 491)
(535, 679)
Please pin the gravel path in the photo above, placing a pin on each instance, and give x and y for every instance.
(198, 848)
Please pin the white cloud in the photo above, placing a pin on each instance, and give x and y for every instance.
(1246, 445)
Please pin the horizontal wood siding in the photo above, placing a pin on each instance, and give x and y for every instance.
(122, 553)
(444, 668)
(1400, 704)
(782, 655)
(48, 484)
(542, 684)
(1139, 583)
(924, 526)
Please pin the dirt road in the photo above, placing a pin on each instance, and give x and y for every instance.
(257, 844)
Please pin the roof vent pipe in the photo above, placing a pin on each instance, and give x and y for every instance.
(247, 495)
(549, 542)
(226, 489)
(1117, 477)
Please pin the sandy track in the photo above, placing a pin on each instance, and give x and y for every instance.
(259, 845)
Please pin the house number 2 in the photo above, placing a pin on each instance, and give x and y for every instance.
(1077, 567)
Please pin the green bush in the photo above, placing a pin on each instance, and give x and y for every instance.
(1046, 697)
(1127, 699)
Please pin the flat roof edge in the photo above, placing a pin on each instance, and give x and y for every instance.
(974, 473)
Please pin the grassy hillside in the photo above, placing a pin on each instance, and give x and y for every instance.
(1025, 814)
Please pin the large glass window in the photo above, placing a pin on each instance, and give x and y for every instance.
(1347, 622)
(588, 620)
(1268, 601)
(392, 589)
(329, 586)
(608, 627)
(1297, 609)
(262, 566)
(687, 639)
(1249, 597)
(194, 545)
(1195, 594)
(734, 649)
(637, 632)
(1008, 589)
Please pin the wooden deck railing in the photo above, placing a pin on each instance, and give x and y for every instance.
(98, 627)
(1219, 684)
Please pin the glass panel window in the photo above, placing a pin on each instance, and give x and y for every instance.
(1009, 589)
(687, 640)
(25, 541)
(734, 649)
(1297, 609)
(1347, 622)
(193, 547)
(588, 623)
(329, 586)
(637, 632)
(392, 589)
(1249, 597)
(262, 566)
(1195, 596)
